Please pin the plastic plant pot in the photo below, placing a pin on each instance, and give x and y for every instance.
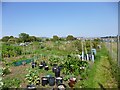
(33, 65)
(57, 73)
(61, 87)
(40, 66)
(72, 82)
(59, 80)
(44, 81)
(51, 81)
(31, 87)
(46, 68)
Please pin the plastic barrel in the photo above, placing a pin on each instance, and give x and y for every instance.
(51, 81)
(57, 72)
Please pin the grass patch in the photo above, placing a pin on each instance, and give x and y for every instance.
(99, 76)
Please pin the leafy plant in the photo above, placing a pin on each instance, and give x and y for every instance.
(32, 76)
(11, 83)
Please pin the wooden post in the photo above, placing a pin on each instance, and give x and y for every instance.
(118, 45)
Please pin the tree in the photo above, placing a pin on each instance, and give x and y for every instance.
(70, 37)
(55, 38)
(5, 38)
(24, 37)
(12, 40)
(32, 38)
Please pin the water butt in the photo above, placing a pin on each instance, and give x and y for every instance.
(31, 87)
(59, 80)
(51, 81)
(57, 72)
(44, 81)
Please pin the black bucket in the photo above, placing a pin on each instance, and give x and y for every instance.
(57, 72)
(59, 80)
(40, 66)
(33, 65)
(51, 81)
(46, 68)
(44, 81)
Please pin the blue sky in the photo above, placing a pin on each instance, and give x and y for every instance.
(48, 19)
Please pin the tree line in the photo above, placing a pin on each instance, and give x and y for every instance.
(24, 37)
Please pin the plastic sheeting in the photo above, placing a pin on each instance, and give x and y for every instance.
(18, 63)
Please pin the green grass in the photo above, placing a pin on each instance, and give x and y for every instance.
(99, 76)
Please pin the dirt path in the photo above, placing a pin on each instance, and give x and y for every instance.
(18, 71)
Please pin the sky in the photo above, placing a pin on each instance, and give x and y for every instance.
(45, 19)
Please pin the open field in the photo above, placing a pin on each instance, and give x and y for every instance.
(96, 74)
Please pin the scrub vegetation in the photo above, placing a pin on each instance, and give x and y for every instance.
(18, 54)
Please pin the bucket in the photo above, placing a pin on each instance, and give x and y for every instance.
(59, 80)
(46, 68)
(33, 65)
(44, 81)
(40, 66)
(51, 81)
